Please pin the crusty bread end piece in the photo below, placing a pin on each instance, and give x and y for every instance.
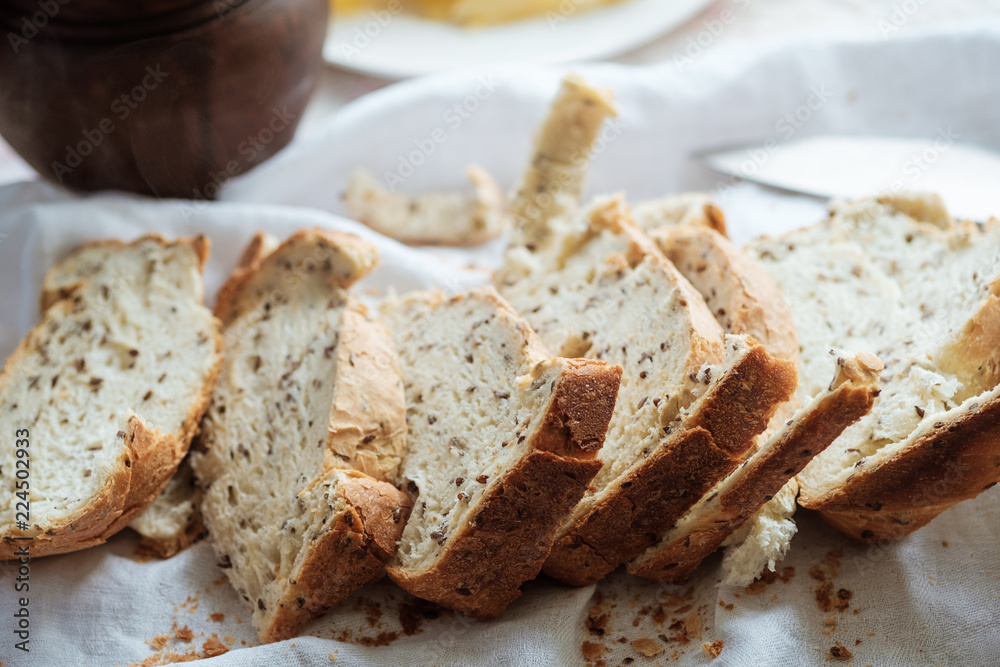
(310, 396)
(553, 183)
(502, 444)
(110, 385)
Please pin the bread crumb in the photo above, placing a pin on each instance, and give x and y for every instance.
(592, 651)
(692, 623)
(647, 647)
(333, 658)
(213, 647)
(714, 649)
(159, 641)
(839, 653)
(185, 634)
(217, 617)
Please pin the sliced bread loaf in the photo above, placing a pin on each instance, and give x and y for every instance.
(435, 218)
(309, 400)
(898, 277)
(606, 292)
(111, 386)
(594, 285)
(502, 445)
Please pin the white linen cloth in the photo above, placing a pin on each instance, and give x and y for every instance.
(930, 599)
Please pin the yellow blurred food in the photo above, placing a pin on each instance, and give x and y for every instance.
(475, 12)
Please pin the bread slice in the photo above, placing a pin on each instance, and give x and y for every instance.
(688, 209)
(110, 385)
(921, 292)
(305, 427)
(436, 218)
(760, 478)
(502, 444)
(174, 521)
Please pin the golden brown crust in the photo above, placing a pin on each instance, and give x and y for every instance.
(507, 539)
(349, 552)
(796, 445)
(581, 409)
(743, 405)
(952, 460)
(973, 354)
(150, 458)
(644, 503)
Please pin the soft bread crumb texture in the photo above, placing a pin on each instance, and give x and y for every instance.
(111, 385)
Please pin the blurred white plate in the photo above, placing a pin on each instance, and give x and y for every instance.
(401, 45)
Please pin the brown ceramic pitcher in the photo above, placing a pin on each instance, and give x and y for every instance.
(164, 97)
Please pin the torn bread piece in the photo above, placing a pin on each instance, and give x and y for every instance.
(923, 293)
(304, 431)
(502, 444)
(437, 218)
(759, 479)
(688, 209)
(552, 185)
(110, 385)
(174, 521)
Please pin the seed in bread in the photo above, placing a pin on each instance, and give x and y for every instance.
(111, 385)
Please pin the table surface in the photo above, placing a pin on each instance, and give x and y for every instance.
(756, 21)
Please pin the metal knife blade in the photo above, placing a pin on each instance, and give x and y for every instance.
(967, 177)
